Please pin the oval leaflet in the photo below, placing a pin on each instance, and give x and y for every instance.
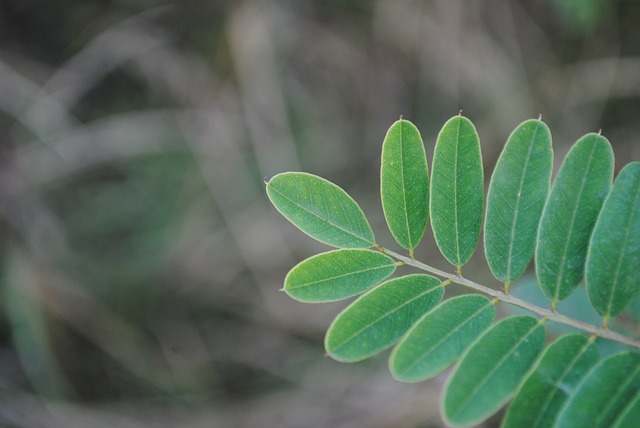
(336, 275)
(320, 209)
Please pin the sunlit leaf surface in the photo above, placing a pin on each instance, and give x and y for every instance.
(570, 214)
(437, 339)
(457, 186)
(320, 209)
(404, 184)
(337, 274)
(517, 193)
(490, 371)
(380, 317)
(614, 252)
(543, 394)
(607, 397)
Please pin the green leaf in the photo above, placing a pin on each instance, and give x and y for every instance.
(320, 209)
(630, 415)
(491, 370)
(440, 336)
(517, 192)
(606, 396)
(614, 252)
(380, 317)
(570, 214)
(404, 184)
(543, 394)
(337, 274)
(457, 188)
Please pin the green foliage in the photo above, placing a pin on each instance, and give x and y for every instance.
(614, 254)
(320, 209)
(379, 318)
(518, 190)
(570, 214)
(457, 184)
(579, 228)
(491, 370)
(404, 184)
(336, 275)
(561, 367)
(576, 306)
(607, 396)
(439, 338)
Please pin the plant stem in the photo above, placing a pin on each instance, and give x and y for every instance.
(507, 298)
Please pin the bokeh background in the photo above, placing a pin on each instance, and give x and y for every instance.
(140, 261)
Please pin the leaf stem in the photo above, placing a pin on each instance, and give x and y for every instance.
(508, 298)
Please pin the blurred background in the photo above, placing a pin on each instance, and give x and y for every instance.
(140, 261)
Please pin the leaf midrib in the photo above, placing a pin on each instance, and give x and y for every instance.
(617, 394)
(497, 365)
(404, 193)
(367, 326)
(307, 284)
(562, 377)
(625, 411)
(573, 219)
(348, 232)
(516, 208)
(455, 193)
(622, 252)
(447, 336)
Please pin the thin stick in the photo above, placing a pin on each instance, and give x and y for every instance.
(507, 298)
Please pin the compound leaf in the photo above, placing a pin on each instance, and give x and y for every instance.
(575, 306)
(491, 370)
(457, 187)
(544, 392)
(380, 317)
(438, 339)
(517, 192)
(337, 274)
(570, 213)
(614, 251)
(607, 395)
(404, 184)
(320, 209)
